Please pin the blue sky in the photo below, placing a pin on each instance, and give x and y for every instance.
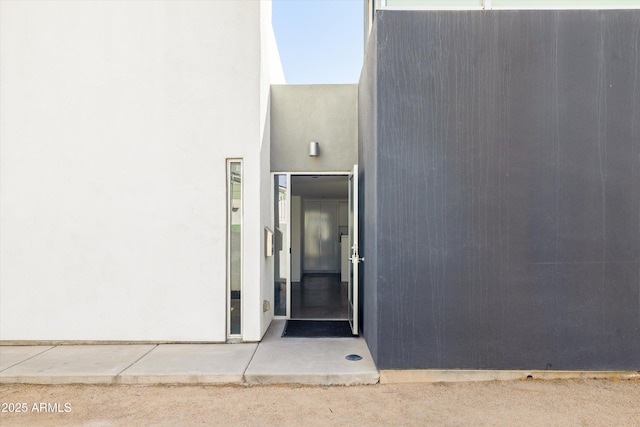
(320, 41)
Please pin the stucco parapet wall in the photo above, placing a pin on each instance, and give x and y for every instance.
(327, 114)
(460, 375)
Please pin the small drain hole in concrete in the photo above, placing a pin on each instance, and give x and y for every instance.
(353, 357)
(529, 377)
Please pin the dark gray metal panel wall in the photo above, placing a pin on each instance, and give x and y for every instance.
(367, 144)
(507, 210)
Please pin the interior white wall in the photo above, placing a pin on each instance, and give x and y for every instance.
(116, 122)
(328, 213)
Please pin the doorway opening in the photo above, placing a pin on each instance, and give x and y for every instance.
(314, 246)
(319, 275)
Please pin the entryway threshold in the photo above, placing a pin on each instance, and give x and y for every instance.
(321, 361)
(274, 360)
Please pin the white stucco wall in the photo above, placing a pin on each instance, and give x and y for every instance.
(271, 72)
(116, 120)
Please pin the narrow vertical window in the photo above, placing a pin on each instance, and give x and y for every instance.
(234, 230)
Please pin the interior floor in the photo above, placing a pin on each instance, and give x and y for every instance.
(319, 296)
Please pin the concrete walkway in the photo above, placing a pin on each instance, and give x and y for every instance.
(273, 360)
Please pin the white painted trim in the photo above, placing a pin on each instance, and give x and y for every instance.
(479, 7)
(354, 236)
(230, 336)
(288, 240)
(290, 175)
(288, 250)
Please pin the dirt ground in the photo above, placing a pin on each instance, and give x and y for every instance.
(512, 403)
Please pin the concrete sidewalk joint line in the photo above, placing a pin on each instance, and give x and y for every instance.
(244, 372)
(31, 357)
(191, 364)
(137, 360)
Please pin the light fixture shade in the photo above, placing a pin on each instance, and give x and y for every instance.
(314, 149)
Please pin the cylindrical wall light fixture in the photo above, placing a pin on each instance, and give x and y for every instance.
(314, 149)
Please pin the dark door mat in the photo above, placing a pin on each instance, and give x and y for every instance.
(317, 329)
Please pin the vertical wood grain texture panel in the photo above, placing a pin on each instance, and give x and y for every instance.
(508, 189)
